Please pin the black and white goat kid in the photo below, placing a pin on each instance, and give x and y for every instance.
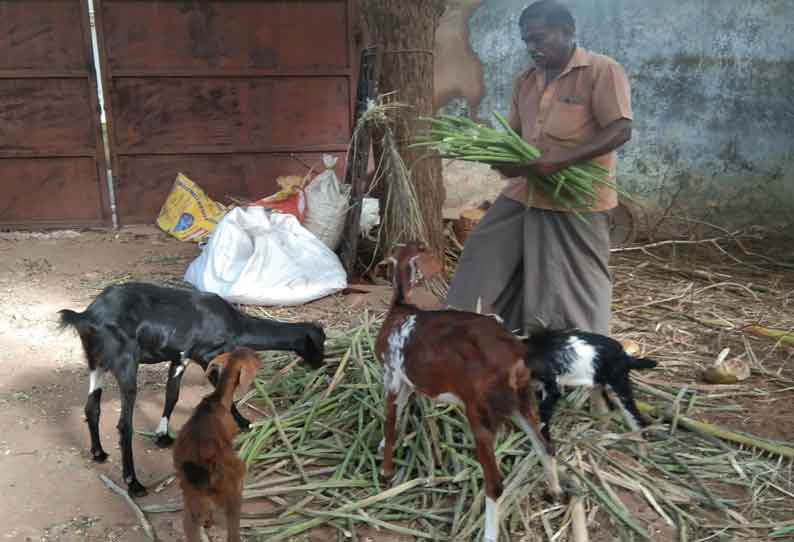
(132, 323)
(575, 358)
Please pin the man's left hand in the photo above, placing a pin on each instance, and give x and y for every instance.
(549, 164)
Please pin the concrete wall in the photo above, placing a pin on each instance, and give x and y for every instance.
(712, 90)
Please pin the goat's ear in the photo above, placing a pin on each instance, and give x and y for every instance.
(248, 370)
(213, 367)
(218, 364)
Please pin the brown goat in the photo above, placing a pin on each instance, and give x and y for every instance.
(461, 358)
(208, 469)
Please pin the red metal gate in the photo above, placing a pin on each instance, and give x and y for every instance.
(223, 91)
(52, 165)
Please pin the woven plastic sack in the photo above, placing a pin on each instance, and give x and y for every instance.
(291, 199)
(327, 201)
(370, 216)
(255, 257)
(188, 213)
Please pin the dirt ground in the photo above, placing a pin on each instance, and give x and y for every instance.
(49, 488)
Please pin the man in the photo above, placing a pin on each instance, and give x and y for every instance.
(536, 264)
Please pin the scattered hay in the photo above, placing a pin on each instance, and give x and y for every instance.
(314, 458)
(402, 217)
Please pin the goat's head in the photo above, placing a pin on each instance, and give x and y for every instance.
(411, 262)
(241, 365)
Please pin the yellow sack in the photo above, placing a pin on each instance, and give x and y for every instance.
(188, 213)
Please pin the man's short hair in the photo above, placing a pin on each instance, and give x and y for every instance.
(552, 13)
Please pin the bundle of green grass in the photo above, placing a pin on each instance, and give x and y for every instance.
(460, 138)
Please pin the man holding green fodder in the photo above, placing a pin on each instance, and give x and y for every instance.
(540, 255)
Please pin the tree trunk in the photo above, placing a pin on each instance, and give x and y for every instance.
(405, 31)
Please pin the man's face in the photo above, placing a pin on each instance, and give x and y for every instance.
(548, 47)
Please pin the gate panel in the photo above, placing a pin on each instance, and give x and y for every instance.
(220, 175)
(223, 91)
(226, 35)
(153, 116)
(52, 166)
(46, 117)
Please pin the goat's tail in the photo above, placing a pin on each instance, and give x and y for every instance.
(77, 320)
(196, 475)
(641, 363)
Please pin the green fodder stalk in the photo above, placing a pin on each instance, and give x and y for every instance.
(460, 138)
(327, 474)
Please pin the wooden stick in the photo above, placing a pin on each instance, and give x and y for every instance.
(356, 172)
(164, 483)
(714, 431)
(578, 514)
(147, 527)
(782, 337)
(675, 242)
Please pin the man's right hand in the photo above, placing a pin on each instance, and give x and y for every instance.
(511, 170)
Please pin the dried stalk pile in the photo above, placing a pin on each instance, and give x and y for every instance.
(402, 218)
(313, 456)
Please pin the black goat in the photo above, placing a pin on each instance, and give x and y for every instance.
(134, 323)
(576, 358)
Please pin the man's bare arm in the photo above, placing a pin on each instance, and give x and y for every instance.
(608, 139)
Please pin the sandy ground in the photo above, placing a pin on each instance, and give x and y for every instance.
(50, 489)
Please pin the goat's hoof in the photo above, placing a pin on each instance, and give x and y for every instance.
(99, 456)
(556, 497)
(244, 425)
(164, 440)
(136, 489)
(392, 479)
(314, 363)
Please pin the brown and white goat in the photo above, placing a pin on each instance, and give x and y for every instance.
(461, 358)
(208, 469)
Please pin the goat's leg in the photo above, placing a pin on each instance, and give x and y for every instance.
(484, 447)
(175, 372)
(233, 506)
(242, 422)
(389, 436)
(599, 405)
(625, 403)
(92, 411)
(628, 409)
(129, 389)
(547, 412)
(192, 517)
(544, 452)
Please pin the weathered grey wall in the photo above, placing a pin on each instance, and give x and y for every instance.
(712, 90)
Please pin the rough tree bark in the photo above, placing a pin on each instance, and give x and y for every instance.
(405, 31)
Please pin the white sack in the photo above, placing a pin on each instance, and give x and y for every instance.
(260, 258)
(327, 201)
